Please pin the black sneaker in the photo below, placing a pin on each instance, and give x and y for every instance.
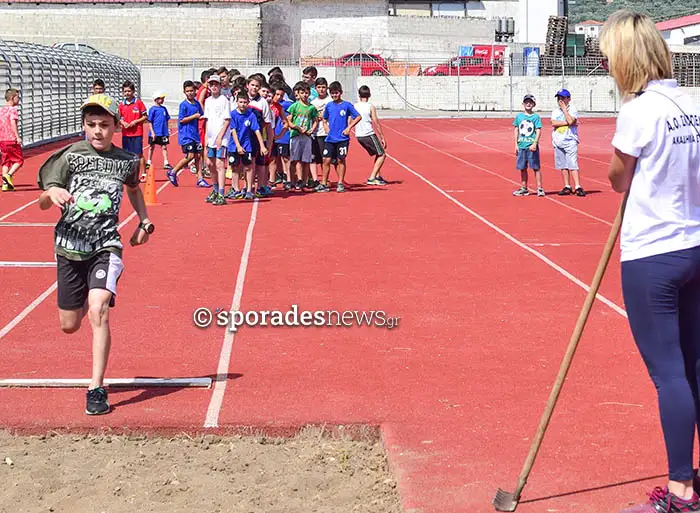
(579, 191)
(566, 191)
(97, 402)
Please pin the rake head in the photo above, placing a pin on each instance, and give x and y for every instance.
(505, 501)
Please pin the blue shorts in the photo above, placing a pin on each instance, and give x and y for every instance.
(213, 153)
(133, 144)
(527, 157)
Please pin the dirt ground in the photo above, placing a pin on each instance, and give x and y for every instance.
(125, 474)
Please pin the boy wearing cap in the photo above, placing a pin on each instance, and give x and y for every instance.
(158, 117)
(217, 117)
(528, 128)
(85, 180)
(565, 141)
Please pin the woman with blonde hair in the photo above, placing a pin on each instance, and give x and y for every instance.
(656, 162)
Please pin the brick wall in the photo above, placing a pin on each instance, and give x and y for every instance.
(140, 31)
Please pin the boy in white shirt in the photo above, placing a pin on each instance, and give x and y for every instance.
(366, 136)
(217, 116)
(565, 141)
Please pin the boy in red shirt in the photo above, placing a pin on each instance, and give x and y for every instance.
(202, 94)
(10, 141)
(133, 114)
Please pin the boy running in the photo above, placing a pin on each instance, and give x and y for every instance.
(133, 114)
(10, 141)
(528, 128)
(158, 134)
(86, 181)
(302, 120)
(244, 123)
(366, 136)
(217, 117)
(337, 141)
(188, 132)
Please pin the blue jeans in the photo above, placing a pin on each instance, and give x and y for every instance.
(526, 157)
(662, 298)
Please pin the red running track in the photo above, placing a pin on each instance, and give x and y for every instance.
(488, 288)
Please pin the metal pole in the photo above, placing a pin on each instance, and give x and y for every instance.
(511, 83)
(405, 85)
(459, 83)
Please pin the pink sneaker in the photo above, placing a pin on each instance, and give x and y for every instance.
(662, 501)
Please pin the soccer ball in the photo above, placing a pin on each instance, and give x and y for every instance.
(526, 128)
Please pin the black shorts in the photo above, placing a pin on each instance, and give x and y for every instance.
(280, 150)
(160, 140)
(76, 278)
(335, 150)
(260, 160)
(235, 158)
(192, 148)
(317, 144)
(372, 145)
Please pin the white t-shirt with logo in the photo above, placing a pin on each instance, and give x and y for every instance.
(217, 113)
(364, 128)
(663, 208)
(320, 105)
(565, 134)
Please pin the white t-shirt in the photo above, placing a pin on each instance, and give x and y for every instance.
(663, 208)
(320, 105)
(364, 128)
(565, 134)
(217, 113)
(264, 114)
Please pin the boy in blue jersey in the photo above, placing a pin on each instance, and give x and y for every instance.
(244, 124)
(528, 128)
(188, 132)
(335, 147)
(158, 117)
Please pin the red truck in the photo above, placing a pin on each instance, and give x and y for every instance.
(484, 60)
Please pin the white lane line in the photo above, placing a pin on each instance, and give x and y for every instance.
(26, 264)
(508, 236)
(25, 225)
(217, 398)
(14, 322)
(19, 209)
(498, 175)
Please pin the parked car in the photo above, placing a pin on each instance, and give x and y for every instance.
(369, 63)
(466, 66)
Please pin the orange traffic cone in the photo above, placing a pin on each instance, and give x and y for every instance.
(150, 193)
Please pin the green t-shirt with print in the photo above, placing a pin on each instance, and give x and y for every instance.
(303, 116)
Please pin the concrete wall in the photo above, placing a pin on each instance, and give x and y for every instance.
(678, 36)
(140, 31)
(282, 21)
(414, 38)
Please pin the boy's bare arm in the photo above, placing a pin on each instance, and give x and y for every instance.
(190, 118)
(352, 124)
(222, 132)
(516, 134)
(291, 124)
(54, 196)
(137, 201)
(15, 131)
(263, 149)
(237, 141)
(377, 126)
(270, 134)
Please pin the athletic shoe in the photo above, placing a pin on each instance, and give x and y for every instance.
(213, 194)
(168, 167)
(579, 192)
(96, 402)
(172, 176)
(340, 187)
(540, 192)
(7, 184)
(249, 196)
(193, 168)
(662, 501)
(206, 173)
(288, 186)
(521, 192)
(322, 188)
(219, 200)
(566, 191)
(380, 181)
(203, 183)
(240, 195)
(148, 166)
(298, 185)
(231, 194)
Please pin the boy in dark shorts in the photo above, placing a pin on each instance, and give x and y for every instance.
(188, 133)
(370, 135)
(335, 147)
(241, 148)
(133, 115)
(86, 181)
(302, 120)
(279, 160)
(158, 117)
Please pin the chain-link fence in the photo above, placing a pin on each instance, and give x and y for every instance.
(53, 83)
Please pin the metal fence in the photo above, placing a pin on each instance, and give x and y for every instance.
(53, 83)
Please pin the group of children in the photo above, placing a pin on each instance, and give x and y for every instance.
(565, 140)
(257, 133)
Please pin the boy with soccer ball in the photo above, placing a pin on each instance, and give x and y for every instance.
(528, 128)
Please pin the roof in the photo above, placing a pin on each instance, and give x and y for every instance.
(676, 23)
(591, 22)
(134, 1)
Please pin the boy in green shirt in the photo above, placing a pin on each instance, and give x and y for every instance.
(302, 118)
(528, 128)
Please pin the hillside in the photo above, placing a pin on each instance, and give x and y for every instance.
(580, 10)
